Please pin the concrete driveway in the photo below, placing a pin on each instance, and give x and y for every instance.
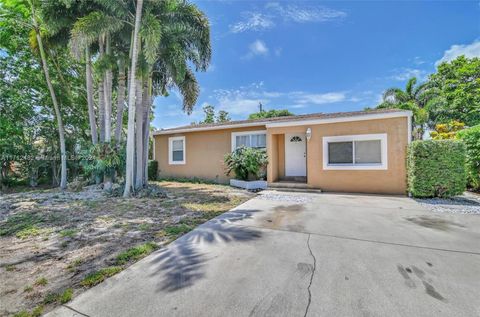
(298, 254)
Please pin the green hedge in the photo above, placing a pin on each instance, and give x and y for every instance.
(436, 168)
(152, 170)
(471, 139)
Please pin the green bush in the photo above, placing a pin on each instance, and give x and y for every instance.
(152, 170)
(247, 163)
(436, 168)
(471, 139)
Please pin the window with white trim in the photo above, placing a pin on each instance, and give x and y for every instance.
(255, 139)
(176, 150)
(363, 151)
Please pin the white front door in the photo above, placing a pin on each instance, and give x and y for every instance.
(295, 155)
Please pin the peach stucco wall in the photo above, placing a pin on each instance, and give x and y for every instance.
(205, 152)
(389, 181)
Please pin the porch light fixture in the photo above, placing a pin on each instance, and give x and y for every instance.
(308, 134)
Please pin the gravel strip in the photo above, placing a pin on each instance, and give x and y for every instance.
(284, 197)
(468, 203)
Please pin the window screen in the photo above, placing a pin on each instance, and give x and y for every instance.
(340, 152)
(367, 152)
(242, 140)
(177, 150)
(251, 140)
(258, 140)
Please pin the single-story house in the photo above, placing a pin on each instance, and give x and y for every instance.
(361, 151)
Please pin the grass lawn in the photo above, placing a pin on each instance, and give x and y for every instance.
(54, 245)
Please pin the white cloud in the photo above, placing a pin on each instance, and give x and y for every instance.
(302, 14)
(319, 99)
(257, 48)
(407, 73)
(245, 99)
(469, 50)
(268, 17)
(253, 21)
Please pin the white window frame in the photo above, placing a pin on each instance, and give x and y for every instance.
(351, 138)
(170, 150)
(235, 134)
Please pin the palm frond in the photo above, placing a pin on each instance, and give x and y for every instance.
(190, 91)
(86, 30)
(410, 86)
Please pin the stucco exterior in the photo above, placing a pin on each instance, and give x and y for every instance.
(205, 151)
(390, 181)
(204, 154)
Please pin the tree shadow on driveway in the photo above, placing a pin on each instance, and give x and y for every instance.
(182, 263)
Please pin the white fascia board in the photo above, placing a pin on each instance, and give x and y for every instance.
(373, 116)
(291, 123)
(222, 127)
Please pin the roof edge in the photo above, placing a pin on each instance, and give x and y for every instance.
(291, 122)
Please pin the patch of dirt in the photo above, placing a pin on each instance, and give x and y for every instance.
(51, 240)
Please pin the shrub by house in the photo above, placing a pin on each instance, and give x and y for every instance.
(247, 163)
(436, 168)
(471, 139)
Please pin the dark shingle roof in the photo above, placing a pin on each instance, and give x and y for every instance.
(301, 117)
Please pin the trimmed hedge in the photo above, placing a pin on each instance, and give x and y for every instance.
(152, 170)
(471, 139)
(436, 168)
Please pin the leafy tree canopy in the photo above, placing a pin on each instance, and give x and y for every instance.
(457, 84)
(270, 114)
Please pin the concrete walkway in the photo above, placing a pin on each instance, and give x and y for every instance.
(298, 254)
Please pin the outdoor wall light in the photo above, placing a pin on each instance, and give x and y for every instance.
(308, 134)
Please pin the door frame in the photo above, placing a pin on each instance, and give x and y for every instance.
(287, 137)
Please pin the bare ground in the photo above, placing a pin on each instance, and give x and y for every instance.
(50, 241)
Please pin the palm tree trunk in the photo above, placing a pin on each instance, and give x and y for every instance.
(147, 100)
(91, 109)
(131, 104)
(139, 135)
(61, 129)
(108, 95)
(101, 97)
(120, 101)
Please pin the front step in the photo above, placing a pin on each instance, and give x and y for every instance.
(292, 186)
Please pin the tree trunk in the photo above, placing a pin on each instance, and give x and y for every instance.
(61, 129)
(139, 135)
(91, 108)
(108, 95)
(131, 104)
(147, 100)
(120, 101)
(101, 96)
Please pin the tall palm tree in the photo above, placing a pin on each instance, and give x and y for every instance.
(172, 38)
(415, 98)
(61, 128)
(131, 103)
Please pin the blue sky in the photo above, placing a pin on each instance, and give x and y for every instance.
(321, 56)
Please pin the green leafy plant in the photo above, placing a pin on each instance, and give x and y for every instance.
(471, 139)
(247, 163)
(152, 170)
(102, 158)
(436, 168)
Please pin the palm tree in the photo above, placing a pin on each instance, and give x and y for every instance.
(131, 103)
(61, 129)
(172, 37)
(415, 98)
